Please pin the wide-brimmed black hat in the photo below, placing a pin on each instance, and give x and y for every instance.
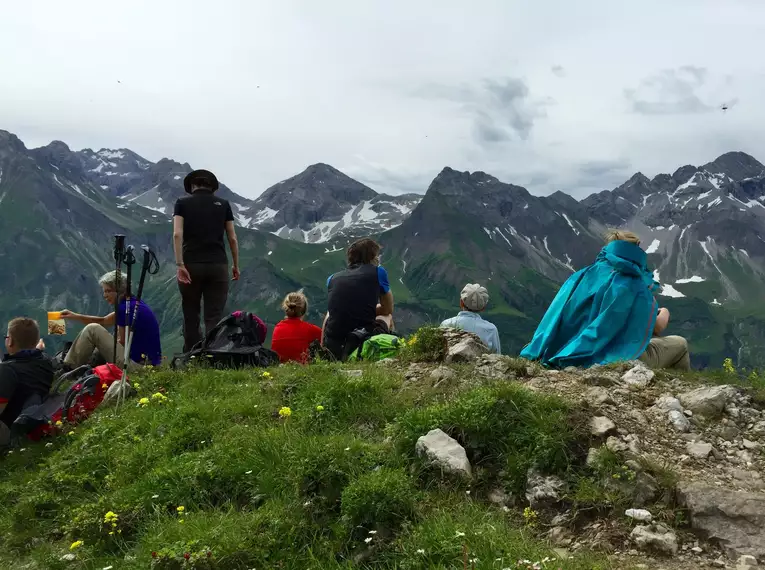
(204, 176)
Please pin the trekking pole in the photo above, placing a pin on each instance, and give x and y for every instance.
(119, 253)
(150, 265)
(129, 262)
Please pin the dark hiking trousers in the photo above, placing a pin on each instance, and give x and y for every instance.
(209, 283)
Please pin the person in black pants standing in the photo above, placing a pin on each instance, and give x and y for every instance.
(199, 222)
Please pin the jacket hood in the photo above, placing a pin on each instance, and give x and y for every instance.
(628, 259)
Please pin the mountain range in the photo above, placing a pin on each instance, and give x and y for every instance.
(702, 227)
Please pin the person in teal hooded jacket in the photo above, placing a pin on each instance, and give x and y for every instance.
(607, 313)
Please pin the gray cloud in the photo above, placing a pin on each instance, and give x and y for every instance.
(558, 70)
(670, 92)
(501, 109)
(598, 168)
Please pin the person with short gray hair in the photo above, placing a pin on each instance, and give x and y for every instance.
(95, 343)
(473, 300)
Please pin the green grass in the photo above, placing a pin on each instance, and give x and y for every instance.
(331, 483)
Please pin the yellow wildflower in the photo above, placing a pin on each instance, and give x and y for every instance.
(59, 423)
(159, 397)
(728, 366)
(412, 340)
(71, 433)
(285, 412)
(136, 385)
(181, 509)
(319, 408)
(76, 544)
(143, 402)
(111, 517)
(266, 374)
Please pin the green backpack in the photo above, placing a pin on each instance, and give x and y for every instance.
(377, 347)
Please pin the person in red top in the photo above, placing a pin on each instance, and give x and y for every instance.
(293, 335)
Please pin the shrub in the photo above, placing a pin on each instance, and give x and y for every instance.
(504, 425)
(382, 499)
(428, 344)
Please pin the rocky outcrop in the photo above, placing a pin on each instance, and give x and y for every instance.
(734, 519)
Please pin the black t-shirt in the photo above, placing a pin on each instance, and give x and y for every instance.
(353, 297)
(23, 375)
(204, 224)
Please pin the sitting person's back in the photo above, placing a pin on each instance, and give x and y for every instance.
(26, 373)
(293, 336)
(473, 300)
(359, 298)
(606, 313)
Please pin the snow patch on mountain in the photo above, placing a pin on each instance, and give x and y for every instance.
(694, 279)
(654, 247)
(669, 291)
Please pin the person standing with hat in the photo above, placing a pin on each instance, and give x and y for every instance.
(473, 300)
(199, 222)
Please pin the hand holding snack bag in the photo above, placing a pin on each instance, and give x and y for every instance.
(56, 325)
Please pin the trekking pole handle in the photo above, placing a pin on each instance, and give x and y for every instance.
(119, 246)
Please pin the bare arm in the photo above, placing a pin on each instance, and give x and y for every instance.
(233, 243)
(178, 240)
(106, 321)
(386, 304)
(662, 321)
(324, 326)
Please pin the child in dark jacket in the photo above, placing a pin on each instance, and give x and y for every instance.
(26, 373)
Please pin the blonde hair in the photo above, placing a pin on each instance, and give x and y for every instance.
(621, 235)
(295, 304)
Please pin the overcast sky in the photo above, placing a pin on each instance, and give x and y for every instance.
(551, 95)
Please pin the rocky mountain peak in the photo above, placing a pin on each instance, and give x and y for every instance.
(738, 165)
(10, 143)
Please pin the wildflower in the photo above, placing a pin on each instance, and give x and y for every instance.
(76, 544)
(49, 444)
(529, 515)
(460, 534)
(420, 551)
(155, 496)
(154, 554)
(104, 386)
(181, 521)
(412, 340)
(111, 517)
(266, 374)
(143, 402)
(159, 397)
(136, 385)
(59, 423)
(368, 539)
(71, 433)
(728, 366)
(248, 472)
(285, 412)
(187, 555)
(319, 408)
(467, 492)
(372, 532)
(181, 509)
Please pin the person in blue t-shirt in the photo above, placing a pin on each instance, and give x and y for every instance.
(359, 298)
(145, 348)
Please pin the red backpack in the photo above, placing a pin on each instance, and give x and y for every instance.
(74, 405)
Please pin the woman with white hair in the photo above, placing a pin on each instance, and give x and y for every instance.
(145, 348)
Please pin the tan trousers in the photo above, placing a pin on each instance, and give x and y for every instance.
(667, 352)
(93, 337)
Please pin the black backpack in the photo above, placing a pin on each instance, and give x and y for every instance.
(235, 342)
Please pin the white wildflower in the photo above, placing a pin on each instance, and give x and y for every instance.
(372, 532)
(420, 551)
(460, 534)
(248, 472)
(368, 540)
